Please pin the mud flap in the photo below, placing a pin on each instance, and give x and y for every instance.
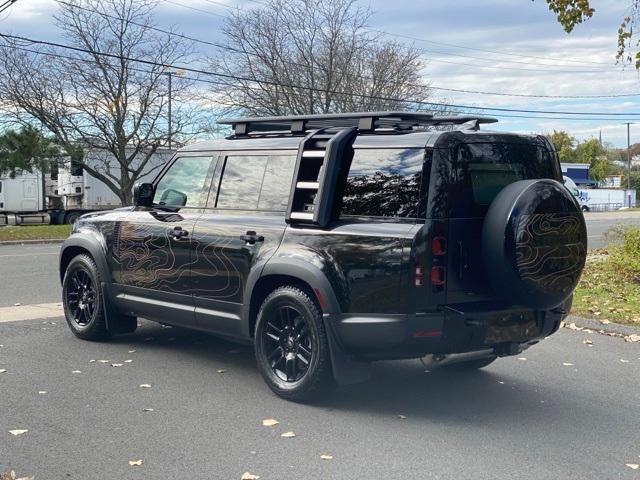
(345, 370)
(116, 323)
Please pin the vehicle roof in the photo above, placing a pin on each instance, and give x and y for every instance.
(412, 139)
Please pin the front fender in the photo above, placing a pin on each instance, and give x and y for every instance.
(92, 244)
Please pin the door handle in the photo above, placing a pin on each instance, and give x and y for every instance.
(252, 237)
(177, 233)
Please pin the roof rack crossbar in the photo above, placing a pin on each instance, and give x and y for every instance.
(364, 121)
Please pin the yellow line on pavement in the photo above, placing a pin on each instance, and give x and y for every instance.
(30, 312)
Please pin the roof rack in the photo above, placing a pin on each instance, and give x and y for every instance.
(364, 121)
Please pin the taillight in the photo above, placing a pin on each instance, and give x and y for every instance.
(438, 276)
(419, 276)
(439, 246)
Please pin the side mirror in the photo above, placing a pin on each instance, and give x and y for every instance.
(143, 194)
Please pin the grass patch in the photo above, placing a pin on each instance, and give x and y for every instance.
(35, 232)
(610, 285)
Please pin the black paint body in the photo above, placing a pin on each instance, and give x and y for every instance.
(361, 270)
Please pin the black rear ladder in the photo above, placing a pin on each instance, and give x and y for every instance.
(321, 156)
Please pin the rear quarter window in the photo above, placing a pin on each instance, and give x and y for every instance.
(385, 183)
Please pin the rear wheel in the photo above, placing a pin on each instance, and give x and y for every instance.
(71, 217)
(470, 365)
(291, 344)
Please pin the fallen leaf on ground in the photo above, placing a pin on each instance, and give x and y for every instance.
(604, 321)
(128, 361)
(17, 432)
(270, 422)
(522, 358)
(567, 364)
(288, 435)
(634, 466)
(17, 304)
(147, 409)
(2, 370)
(624, 361)
(42, 392)
(135, 463)
(501, 383)
(632, 338)
(92, 361)
(76, 371)
(103, 361)
(402, 417)
(116, 364)
(249, 476)
(221, 370)
(145, 385)
(587, 342)
(132, 351)
(326, 457)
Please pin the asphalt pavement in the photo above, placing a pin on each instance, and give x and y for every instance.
(561, 410)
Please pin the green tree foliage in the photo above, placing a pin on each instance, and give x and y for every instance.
(564, 144)
(25, 150)
(570, 13)
(592, 152)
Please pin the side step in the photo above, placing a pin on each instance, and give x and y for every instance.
(321, 156)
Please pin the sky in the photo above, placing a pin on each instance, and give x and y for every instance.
(499, 46)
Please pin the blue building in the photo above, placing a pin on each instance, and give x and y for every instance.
(579, 173)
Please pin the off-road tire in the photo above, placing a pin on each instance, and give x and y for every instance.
(93, 324)
(470, 365)
(318, 372)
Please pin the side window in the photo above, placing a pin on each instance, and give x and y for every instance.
(276, 185)
(185, 184)
(256, 182)
(385, 183)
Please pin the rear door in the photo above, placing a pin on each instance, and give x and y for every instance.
(240, 230)
(481, 171)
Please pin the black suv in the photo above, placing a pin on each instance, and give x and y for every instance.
(330, 241)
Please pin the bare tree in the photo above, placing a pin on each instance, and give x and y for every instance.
(110, 104)
(314, 56)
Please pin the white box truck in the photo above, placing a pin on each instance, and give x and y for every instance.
(65, 193)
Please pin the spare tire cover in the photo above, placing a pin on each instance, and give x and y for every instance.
(534, 243)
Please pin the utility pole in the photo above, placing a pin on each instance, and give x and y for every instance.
(170, 88)
(629, 156)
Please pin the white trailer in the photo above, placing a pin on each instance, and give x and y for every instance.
(66, 193)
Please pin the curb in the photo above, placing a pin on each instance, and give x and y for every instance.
(596, 325)
(32, 242)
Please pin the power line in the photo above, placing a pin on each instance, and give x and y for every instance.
(243, 52)
(577, 62)
(6, 4)
(213, 82)
(320, 90)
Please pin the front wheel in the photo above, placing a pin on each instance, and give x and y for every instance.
(291, 344)
(82, 299)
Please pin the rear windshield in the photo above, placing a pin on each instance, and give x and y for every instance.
(385, 183)
(483, 169)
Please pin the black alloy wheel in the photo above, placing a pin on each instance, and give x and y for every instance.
(287, 344)
(291, 344)
(81, 297)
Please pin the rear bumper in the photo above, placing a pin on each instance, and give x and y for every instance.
(505, 331)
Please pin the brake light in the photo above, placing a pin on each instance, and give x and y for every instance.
(419, 276)
(438, 276)
(439, 246)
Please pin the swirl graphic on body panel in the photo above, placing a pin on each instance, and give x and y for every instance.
(148, 259)
(214, 268)
(548, 250)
